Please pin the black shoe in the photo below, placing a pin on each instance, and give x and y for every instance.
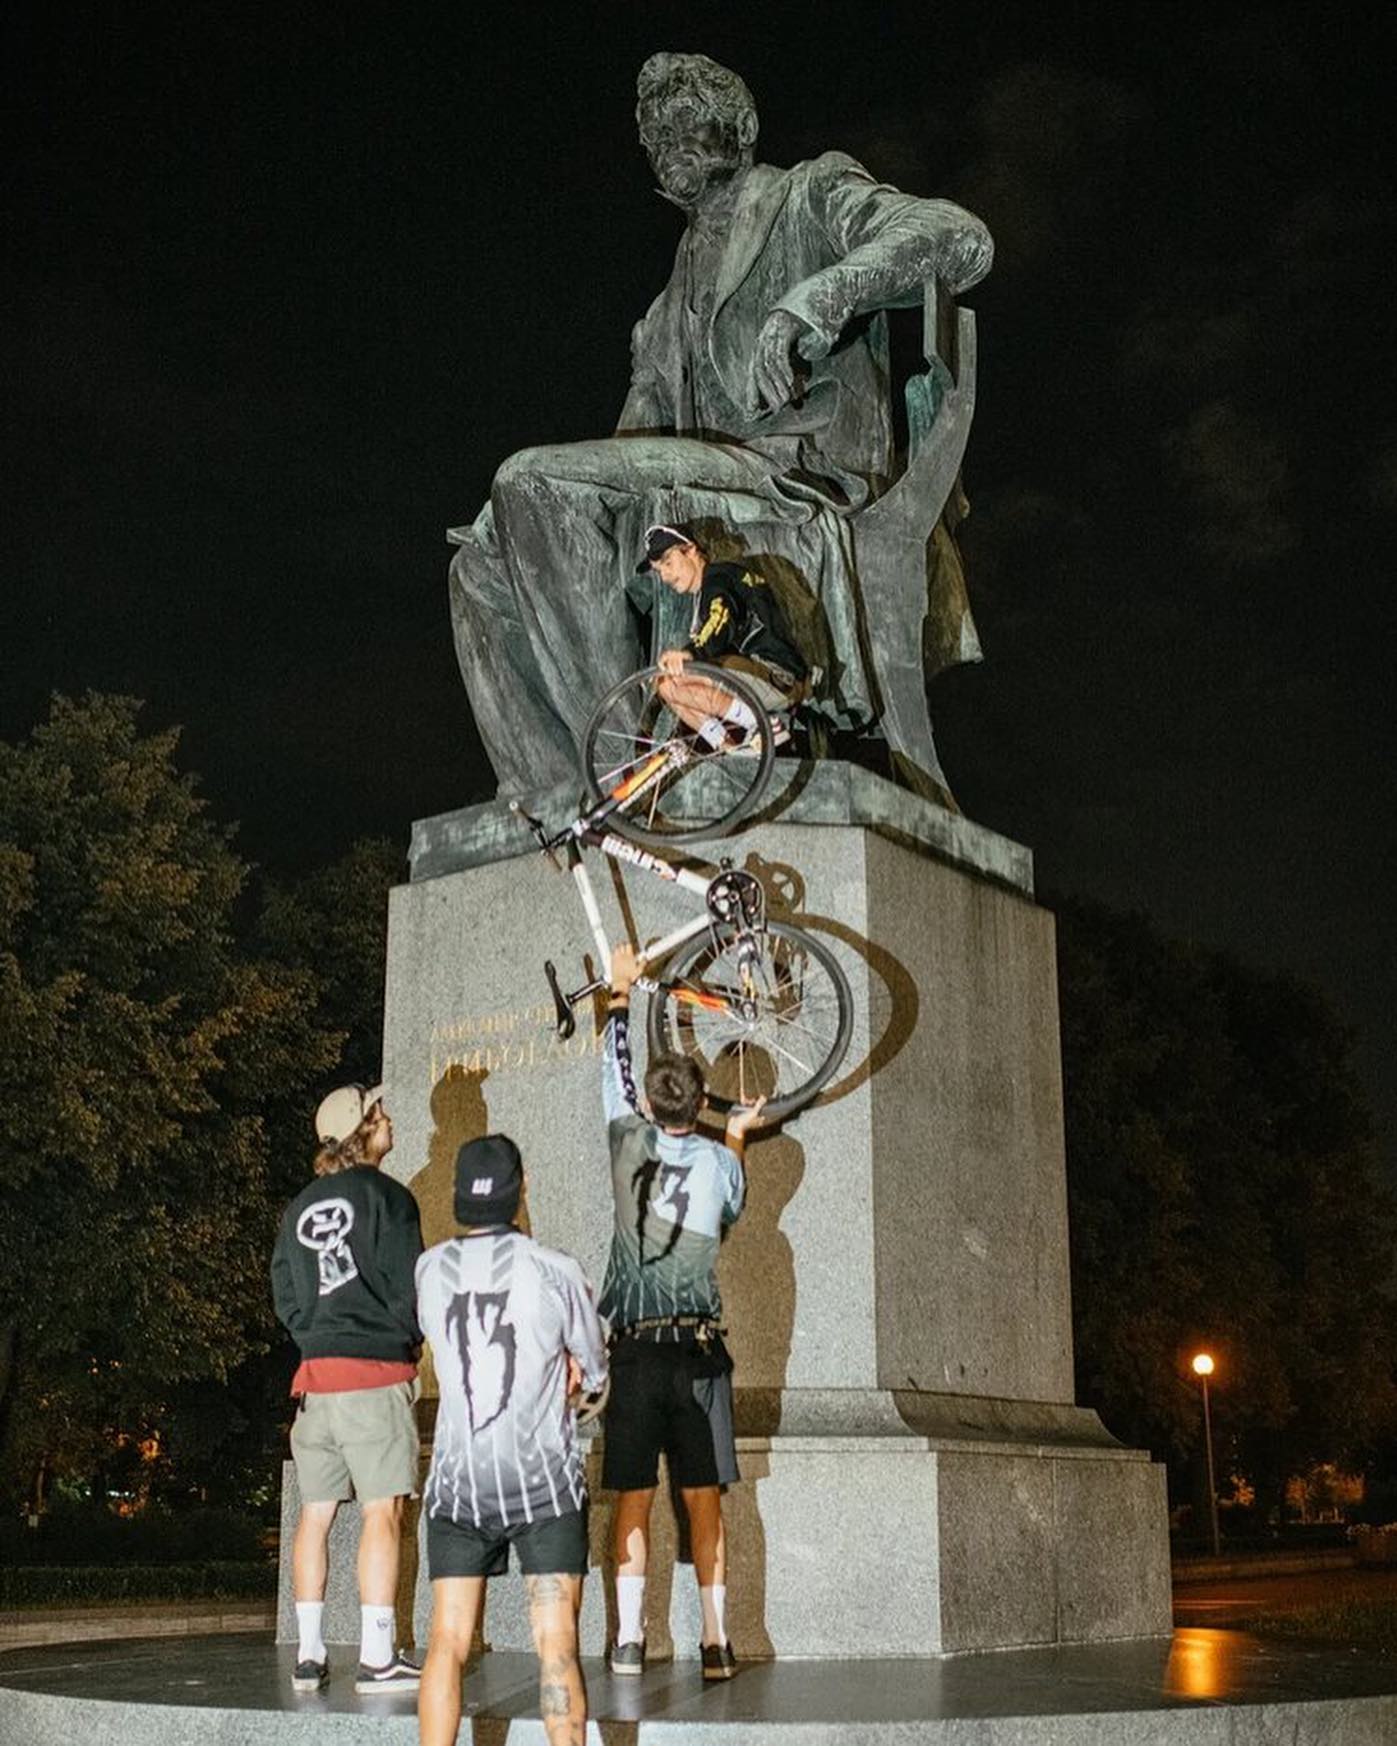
(310, 1676)
(399, 1675)
(719, 1662)
(628, 1658)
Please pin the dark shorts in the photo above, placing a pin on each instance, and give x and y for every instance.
(668, 1399)
(547, 1546)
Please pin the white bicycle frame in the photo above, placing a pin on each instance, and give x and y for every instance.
(619, 849)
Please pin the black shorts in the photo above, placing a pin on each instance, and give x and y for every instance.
(547, 1546)
(670, 1399)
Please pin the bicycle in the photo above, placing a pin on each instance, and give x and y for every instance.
(636, 746)
(763, 1005)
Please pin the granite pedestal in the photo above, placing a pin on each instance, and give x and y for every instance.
(915, 1477)
(1203, 1688)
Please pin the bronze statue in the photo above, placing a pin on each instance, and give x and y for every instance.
(759, 404)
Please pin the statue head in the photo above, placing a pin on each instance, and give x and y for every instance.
(697, 122)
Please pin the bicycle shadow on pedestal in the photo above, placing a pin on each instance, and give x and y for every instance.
(894, 1001)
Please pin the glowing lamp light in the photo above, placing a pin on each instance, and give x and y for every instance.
(1203, 1364)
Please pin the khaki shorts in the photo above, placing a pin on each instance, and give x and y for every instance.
(765, 682)
(362, 1443)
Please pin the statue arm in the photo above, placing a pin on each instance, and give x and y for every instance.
(887, 244)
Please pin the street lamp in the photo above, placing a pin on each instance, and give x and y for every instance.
(1203, 1369)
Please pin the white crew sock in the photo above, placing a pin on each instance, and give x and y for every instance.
(714, 1602)
(310, 1643)
(712, 732)
(738, 713)
(630, 1609)
(376, 1636)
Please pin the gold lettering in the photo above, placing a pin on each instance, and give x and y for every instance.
(509, 1040)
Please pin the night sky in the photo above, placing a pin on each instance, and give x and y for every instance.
(284, 285)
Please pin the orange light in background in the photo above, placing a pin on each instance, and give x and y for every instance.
(1204, 1663)
(1203, 1364)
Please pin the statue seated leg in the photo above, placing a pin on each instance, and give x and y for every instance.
(539, 601)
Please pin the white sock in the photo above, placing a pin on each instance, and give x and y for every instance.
(310, 1644)
(630, 1609)
(738, 712)
(712, 732)
(376, 1636)
(714, 1602)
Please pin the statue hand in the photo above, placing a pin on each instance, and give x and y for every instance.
(771, 380)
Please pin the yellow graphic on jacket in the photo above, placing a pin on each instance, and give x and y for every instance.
(753, 580)
(718, 616)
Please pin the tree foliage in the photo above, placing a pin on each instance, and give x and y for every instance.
(1224, 1193)
(147, 1062)
(333, 924)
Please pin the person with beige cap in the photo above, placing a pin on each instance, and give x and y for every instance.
(342, 1281)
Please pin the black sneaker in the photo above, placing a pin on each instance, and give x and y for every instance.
(310, 1676)
(628, 1658)
(399, 1675)
(719, 1662)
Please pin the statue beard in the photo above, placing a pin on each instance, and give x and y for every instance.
(687, 173)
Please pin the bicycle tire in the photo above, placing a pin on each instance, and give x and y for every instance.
(605, 756)
(666, 1035)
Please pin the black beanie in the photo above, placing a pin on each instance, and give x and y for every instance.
(489, 1180)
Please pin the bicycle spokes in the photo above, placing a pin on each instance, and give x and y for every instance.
(696, 791)
(763, 1013)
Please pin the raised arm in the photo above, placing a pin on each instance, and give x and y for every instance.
(887, 244)
(742, 1118)
(619, 1097)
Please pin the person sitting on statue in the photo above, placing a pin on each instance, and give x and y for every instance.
(736, 624)
(758, 399)
(673, 1192)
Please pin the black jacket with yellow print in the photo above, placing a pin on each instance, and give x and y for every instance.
(735, 613)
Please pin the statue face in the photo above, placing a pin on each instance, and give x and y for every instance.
(689, 150)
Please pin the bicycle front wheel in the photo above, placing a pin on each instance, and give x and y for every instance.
(763, 1013)
(676, 788)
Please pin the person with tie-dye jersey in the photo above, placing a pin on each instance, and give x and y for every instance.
(674, 1191)
(515, 1338)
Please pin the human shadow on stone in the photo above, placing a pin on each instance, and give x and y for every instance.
(459, 1113)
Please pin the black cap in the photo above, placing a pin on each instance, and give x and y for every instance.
(658, 541)
(489, 1180)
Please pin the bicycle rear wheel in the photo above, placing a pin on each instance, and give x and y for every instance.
(683, 789)
(762, 1013)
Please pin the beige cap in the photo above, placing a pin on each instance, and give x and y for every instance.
(343, 1110)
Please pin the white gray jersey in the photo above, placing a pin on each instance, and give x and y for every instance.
(673, 1195)
(502, 1314)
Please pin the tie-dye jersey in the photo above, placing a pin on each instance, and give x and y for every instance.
(502, 1314)
(673, 1194)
